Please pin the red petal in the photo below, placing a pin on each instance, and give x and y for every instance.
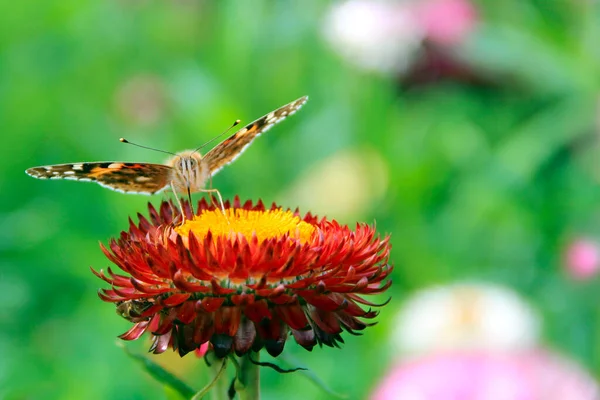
(161, 343)
(227, 320)
(197, 253)
(273, 332)
(144, 224)
(166, 213)
(135, 332)
(326, 320)
(210, 304)
(242, 299)
(204, 328)
(324, 302)
(166, 323)
(244, 337)
(110, 296)
(305, 338)
(187, 312)
(220, 290)
(293, 315)
(182, 283)
(175, 299)
(258, 311)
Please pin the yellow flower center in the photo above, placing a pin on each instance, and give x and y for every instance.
(264, 224)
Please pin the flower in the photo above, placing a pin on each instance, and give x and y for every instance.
(537, 374)
(142, 100)
(465, 316)
(349, 182)
(244, 279)
(582, 259)
(446, 22)
(387, 36)
(374, 35)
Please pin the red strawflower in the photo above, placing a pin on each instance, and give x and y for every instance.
(242, 282)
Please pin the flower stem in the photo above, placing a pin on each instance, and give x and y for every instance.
(217, 388)
(249, 377)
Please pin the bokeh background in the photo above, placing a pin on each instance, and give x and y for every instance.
(468, 130)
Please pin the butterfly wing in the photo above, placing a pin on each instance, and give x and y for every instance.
(230, 149)
(123, 177)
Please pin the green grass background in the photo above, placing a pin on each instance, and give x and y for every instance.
(484, 181)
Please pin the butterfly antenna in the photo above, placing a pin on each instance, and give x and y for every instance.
(123, 140)
(237, 121)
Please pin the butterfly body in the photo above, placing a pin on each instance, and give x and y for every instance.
(187, 172)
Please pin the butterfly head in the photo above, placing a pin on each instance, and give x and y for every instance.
(189, 172)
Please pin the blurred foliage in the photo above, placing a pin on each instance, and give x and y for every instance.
(486, 180)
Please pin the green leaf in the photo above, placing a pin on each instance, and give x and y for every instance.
(161, 375)
(311, 376)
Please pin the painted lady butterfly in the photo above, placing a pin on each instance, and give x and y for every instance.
(187, 172)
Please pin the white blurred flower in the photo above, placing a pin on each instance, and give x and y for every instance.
(465, 316)
(527, 375)
(375, 35)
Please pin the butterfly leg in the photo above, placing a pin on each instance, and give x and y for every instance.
(211, 189)
(179, 202)
(220, 199)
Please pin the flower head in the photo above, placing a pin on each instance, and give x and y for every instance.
(465, 316)
(481, 375)
(446, 22)
(376, 36)
(582, 259)
(388, 36)
(244, 280)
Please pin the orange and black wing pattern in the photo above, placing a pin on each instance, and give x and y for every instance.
(125, 177)
(230, 149)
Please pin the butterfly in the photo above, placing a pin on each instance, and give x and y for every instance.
(186, 172)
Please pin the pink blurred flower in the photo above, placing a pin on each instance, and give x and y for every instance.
(446, 22)
(582, 259)
(142, 100)
(488, 376)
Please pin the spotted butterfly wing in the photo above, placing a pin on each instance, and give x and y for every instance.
(123, 177)
(186, 171)
(231, 148)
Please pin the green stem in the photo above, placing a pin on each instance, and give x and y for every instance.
(217, 388)
(249, 378)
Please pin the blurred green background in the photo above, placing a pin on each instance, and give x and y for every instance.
(482, 170)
